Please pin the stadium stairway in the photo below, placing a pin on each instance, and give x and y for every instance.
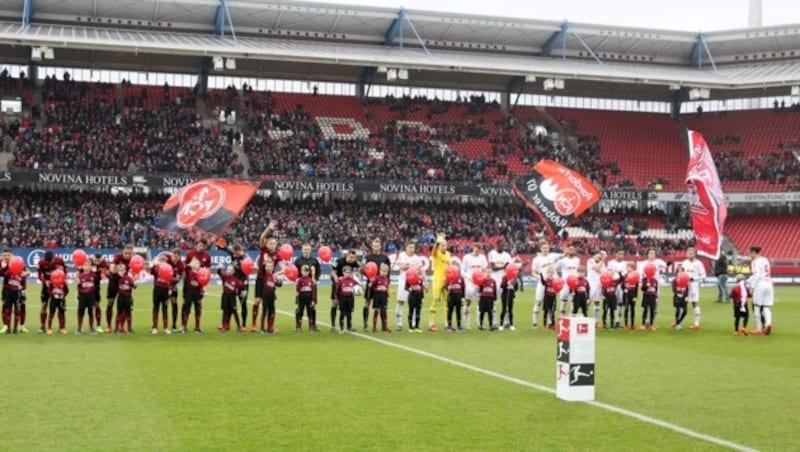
(5, 160)
(238, 150)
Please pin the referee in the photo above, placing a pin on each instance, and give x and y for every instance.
(306, 259)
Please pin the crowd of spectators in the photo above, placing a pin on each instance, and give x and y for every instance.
(289, 143)
(84, 126)
(33, 218)
(777, 167)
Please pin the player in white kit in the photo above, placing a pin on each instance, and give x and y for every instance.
(543, 260)
(472, 262)
(498, 260)
(405, 260)
(567, 265)
(697, 273)
(595, 266)
(618, 267)
(763, 290)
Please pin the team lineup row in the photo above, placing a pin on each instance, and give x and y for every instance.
(611, 288)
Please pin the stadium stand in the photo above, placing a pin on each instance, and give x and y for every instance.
(153, 129)
(753, 149)
(778, 234)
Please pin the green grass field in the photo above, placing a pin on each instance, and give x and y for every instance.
(345, 392)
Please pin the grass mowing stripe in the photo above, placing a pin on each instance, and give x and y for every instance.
(614, 409)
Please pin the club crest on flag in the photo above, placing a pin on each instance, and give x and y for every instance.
(206, 206)
(198, 200)
(557, 194)
(565, 200)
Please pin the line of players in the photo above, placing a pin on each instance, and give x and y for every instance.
(618, 298)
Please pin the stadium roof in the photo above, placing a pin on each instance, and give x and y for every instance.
(310, 41)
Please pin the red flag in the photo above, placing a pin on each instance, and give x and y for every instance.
(709, 209)
(556, 193)
(206, 206)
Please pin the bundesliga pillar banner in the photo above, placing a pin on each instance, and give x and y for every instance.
(575, 360)
(207, 206)
(709, 209)
(556, 193)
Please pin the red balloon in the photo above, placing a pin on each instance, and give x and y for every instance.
(412, 276)
(650, 270)
(606, 279)
(558, 284)
(247, 265)
(203, 276)
(291, 273)
(632, 278)
(451, 274)
(478, 277)
(58, 278)
(165, 272)
(325, 254)
(682, 280)
(371, 270)
(285, 252)
(137, 264)
(79, 257)
(512, 271)
(572, 282)
(16, 265)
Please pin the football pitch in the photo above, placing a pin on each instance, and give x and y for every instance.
(676, 390)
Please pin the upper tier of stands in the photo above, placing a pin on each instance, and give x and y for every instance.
(125, 127)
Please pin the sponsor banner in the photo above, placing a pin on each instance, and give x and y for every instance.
(738, 198)
(622, 195)
(171, 183)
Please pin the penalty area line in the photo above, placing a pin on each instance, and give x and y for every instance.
(604, 406)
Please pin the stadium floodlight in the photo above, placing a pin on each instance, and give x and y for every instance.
(36, 54)
(796, 91)
(559, 83)
(402, 74)
(48, 53)
(391, 74)
(382, 69)
(530, 78)
(674, 87)
(549, 84)
(230, 64)
(219, 63)
(705, 93)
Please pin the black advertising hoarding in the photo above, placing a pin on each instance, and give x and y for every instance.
(176, 181)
